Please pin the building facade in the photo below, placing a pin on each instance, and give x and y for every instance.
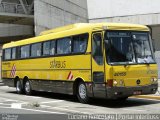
(25, 18)
(54, 13)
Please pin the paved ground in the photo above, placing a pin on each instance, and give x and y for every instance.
(58, 106)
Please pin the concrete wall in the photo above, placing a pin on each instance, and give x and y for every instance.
(54, 13)
(156, 36)
(8, 30)
(115, 8)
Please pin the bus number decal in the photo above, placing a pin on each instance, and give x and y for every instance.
(57, 64)
(120, 74)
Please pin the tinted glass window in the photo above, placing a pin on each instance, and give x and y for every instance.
(13, 53)
(97, 48)
(119, 47)
(80, 43)
(46, 48)
(64, 46)
(7, 54)
(52, 48)
(127, 47)
(25, 51)
(142, 47)
(36, 50)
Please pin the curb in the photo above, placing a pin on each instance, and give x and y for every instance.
(147, 97)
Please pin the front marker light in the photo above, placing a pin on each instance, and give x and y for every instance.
(154, 80)
(115, 82)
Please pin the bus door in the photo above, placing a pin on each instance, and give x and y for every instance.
(98, 66)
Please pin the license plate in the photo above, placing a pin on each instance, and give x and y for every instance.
(137, 92)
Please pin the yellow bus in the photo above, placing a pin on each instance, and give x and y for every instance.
(101, 60)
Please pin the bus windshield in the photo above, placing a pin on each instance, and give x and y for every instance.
(125, 47)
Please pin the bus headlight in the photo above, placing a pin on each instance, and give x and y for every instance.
(154, 79)
(115, 82)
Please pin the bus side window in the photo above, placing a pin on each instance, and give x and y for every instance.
(64, 46)
(36, 50)
(7, 54)
(80, 43)
(52, 48)
(13, 53)
(25, 51)
(46, 48)
(97, 48)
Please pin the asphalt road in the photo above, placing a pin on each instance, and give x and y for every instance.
(50, 106)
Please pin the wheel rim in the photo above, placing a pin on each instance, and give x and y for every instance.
(82, 91)
(27, 87)
(18, 86)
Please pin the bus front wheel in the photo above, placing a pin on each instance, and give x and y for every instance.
(82, 93)
(27, 88)
(19, 88)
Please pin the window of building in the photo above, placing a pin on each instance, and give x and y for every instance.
(46, 48)
(7, 53)
(36, 50)
(80, 43)
(13, 53)
(52, 48)
(25, 51)
(64, 46)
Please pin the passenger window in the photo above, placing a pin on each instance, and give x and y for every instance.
(36, 50)
(80, 43)
(64, 46)
(25, 51)
(97, 48)
(7, 55)
(52, 49)
(46, 48)
(13, 53)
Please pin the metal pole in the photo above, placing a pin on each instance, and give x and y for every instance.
(24, 8)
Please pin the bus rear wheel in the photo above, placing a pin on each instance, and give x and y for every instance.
(19, 88)
(27, 88)
(82, 93)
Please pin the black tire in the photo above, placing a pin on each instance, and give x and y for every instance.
(27, 88)
(19, 87)
(82, 93)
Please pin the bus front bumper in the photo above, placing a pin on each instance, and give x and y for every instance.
(122, 92)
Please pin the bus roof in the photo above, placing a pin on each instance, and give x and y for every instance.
(77, 28)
